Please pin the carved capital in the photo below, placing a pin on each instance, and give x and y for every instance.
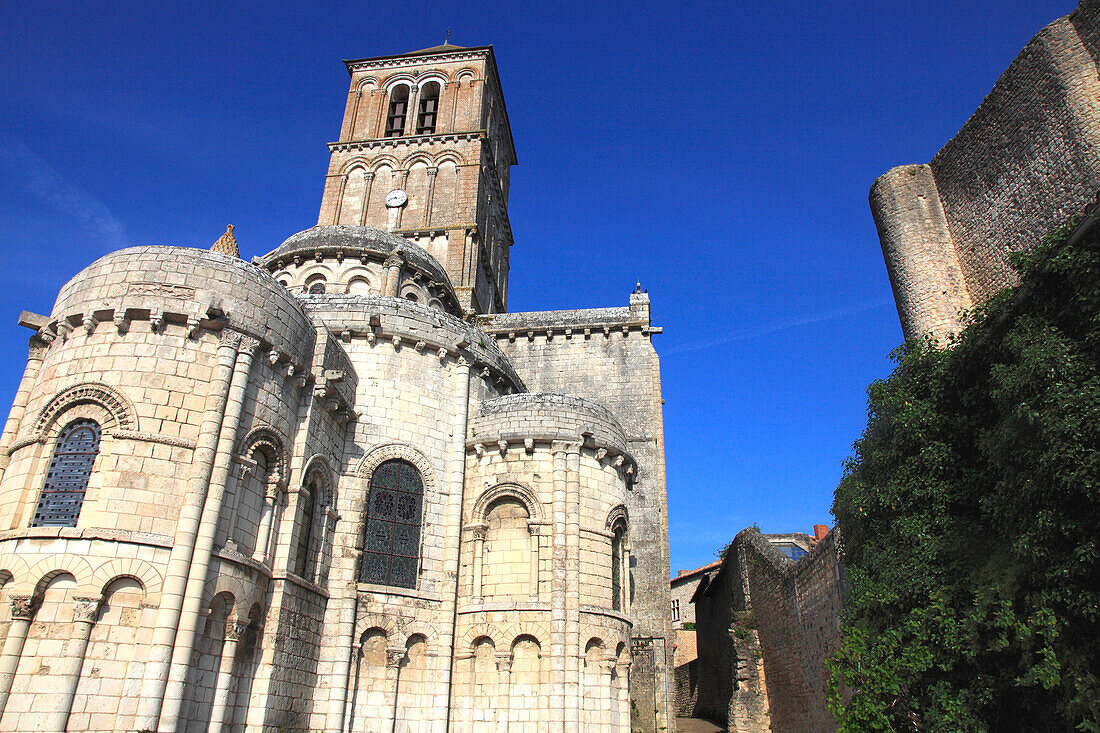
(36, 350)
(504, 661)
(234, 630)
(22, 607)
(477, 531)
(249, 345)
(46, 335)
(229, 337)
(85, 609)
(394, 657)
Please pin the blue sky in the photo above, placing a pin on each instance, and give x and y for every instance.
(718, 153)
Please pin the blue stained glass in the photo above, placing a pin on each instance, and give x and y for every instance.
(391, 542)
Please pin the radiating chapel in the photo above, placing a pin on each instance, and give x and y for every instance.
(340, 488)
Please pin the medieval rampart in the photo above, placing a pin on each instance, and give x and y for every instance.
(1026, 160)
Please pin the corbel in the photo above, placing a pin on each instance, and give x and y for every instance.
(588, 333)
(193, 323)
(345, 335)
(90, 322)
(511, 337)
(420, 346)
(156, 322)
(121, 321)
(601, 453)
(442, 353)
(397, 343)
(64, 328)
(529, 445)
(568, 333)
(479, 449)
(502, 446)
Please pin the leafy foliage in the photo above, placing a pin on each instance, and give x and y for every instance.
(969, 516)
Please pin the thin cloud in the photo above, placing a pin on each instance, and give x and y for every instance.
(66, 198)
(770, 328)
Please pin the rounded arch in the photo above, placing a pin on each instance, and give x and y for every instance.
(511, 489)
(428, 77)
(474, 634)
(464, 73)
(616, 516)
(379, 454)
(418, 157)
(393, 80)
(143, 572)
(119, 409)
(366, 81)
(353, 164)
(451, 156)
(371, 621)
(269, 442)
(48, 568)
(520, 629)
(320, 467)
(385, 161)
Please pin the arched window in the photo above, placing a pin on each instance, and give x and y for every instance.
(303, 560)
(67, 480)
(429, 106)
(391, 545)
(399, 106)
(618, 540)
(316, 285)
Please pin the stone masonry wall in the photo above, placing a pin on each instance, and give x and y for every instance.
(1027, 160)
(796, 609)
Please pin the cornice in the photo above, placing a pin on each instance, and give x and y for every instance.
(393, 142)
(394, 62)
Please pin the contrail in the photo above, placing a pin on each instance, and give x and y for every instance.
(65, 197)
(768, 328)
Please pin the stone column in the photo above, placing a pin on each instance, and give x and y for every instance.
(394, 657)
(368, 184)
(622, 670)
(574, 653)
(340, 199)
(533, 531)
(84, 617)
(36, 353)
(413, 115)
(432, 172)
(608, 695)
(22, 613)
(224, 686)
(456, 482)
(391, 274)
(267, 515)
(187, 527)
(556, 699)
(504, 695)
(204, 541)
(478, 532)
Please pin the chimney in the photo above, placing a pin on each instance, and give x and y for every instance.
(820, 532)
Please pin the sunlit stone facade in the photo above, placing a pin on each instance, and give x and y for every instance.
(339, 488)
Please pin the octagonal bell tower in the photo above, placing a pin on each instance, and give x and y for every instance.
(425, 152)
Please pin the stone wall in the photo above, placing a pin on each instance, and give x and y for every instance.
(795, 606)
(607, 355)
(1026, 161)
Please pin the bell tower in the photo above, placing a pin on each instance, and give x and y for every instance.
(425, 152)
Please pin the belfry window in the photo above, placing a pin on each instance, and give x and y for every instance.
(429, 107)
(391, 545)
(399, 107)
(67, 479)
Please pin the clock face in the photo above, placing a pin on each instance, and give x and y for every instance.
(396, 198)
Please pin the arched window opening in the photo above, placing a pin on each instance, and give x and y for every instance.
(617, 571)
(411, 296)
(391, 546)
(399, 106)
(67, 479)
(429, 106)
(303, 560)
(316, 285)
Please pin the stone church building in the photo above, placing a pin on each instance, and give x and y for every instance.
(340, 488)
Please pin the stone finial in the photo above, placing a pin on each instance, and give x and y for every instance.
(227, 244)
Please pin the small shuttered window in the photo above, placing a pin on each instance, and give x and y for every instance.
(303, 563)
(429, 107)
(67, 479)
(399, 107)
(391, 546)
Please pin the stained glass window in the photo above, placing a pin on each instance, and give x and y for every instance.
(67, 479)
(391, 545)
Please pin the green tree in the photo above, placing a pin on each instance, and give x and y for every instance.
(969, 515)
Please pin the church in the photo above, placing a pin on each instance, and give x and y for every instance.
(341, 488)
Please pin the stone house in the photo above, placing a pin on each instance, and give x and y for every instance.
(340, 488)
